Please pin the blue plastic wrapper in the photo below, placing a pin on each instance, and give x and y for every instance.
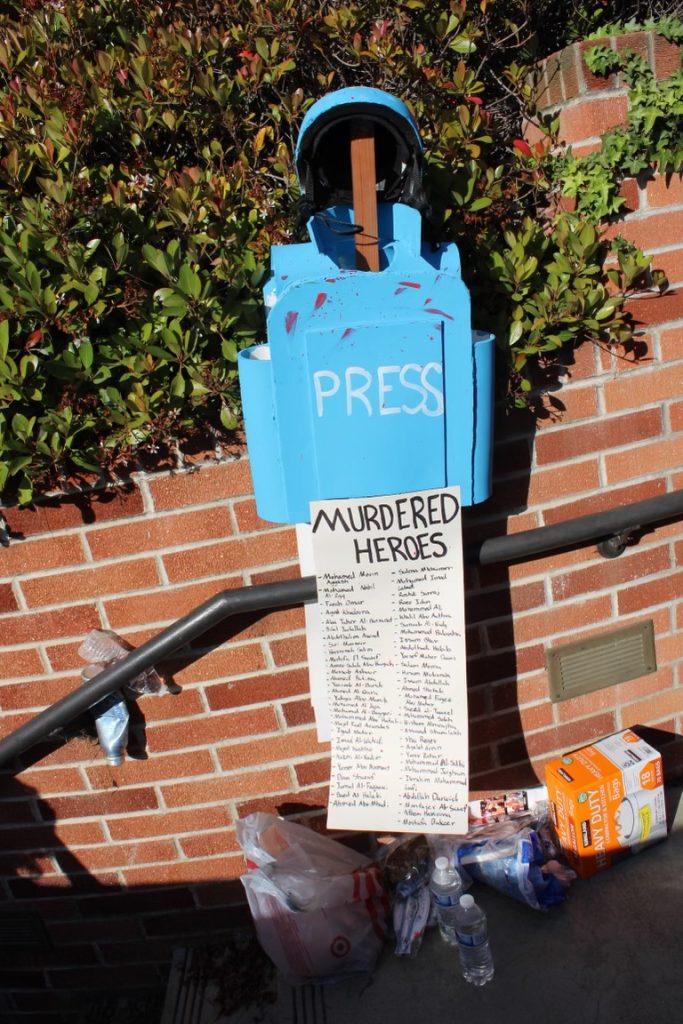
(516, 865)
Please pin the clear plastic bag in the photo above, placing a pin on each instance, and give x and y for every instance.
(516, 864)
(410, 918)
(406, 863)
(103, 647)
(318, 907)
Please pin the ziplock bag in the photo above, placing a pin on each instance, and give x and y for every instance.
(318, 907)
(516, 865)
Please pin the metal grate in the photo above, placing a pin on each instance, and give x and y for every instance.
(606, 660)
(209, 986)
(308, 1005)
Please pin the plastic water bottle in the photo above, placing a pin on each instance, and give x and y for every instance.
(446, 889)
(473, 943)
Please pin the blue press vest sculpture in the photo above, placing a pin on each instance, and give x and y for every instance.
(370, 383)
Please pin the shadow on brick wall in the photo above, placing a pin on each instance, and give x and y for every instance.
(73, 945)
(70, 942)
(89, 502)
(498, 755)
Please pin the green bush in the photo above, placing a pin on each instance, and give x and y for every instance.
(653, 135)
(146, 169)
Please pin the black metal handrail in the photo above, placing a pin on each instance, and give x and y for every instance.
(601, 526)
(612, 524)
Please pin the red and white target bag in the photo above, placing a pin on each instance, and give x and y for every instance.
(318, 907)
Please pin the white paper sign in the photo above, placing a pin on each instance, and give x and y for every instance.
(314, 641)
(390, 597)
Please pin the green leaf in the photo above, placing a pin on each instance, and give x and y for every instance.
(174, 305)
(463, 45)
(178, 385)
(85, 354)
(33, 278)
(516, 332)
(16, 465)
(4, 338)
(261, 47)
(142, 70)
(189, 282)
(104, 61)
(83, 462)
(229, 350)
(120, 247)
(228, 419)
(160, 353)
(21, 426)
(27, 364)
(156, 259)
(55, 190)
(25, 491)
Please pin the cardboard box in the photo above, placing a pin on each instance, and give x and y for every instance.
(607, 800)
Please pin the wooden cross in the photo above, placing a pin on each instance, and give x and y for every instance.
(364, 183)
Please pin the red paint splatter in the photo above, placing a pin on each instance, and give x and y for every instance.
(427, 301)
(331, 280)
(410, 284)
(439, 312)
(320, 300)
(290, 321)
(283, 277)
(398, 291)
(349, 330)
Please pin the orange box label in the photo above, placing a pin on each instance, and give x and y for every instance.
(607, 800)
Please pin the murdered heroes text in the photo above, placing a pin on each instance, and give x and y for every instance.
(404, 524)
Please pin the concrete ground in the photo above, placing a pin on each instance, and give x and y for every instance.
(612, 954)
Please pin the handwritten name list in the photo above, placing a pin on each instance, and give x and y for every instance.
(390, 597)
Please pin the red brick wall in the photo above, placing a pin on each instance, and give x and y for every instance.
(123, 864)
(590, 104)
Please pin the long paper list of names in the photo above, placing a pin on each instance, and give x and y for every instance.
(390, 595)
